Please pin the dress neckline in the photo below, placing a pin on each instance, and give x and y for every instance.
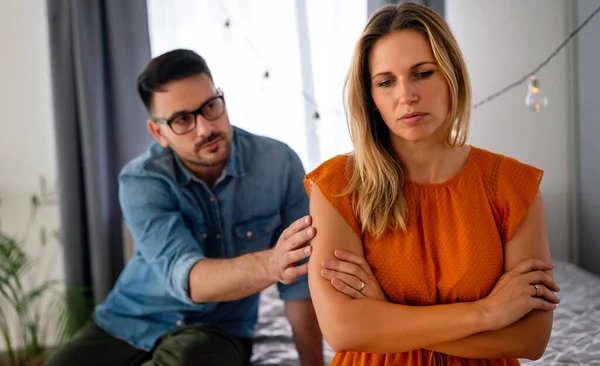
(463, 170)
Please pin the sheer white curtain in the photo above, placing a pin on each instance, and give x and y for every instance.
(263, 35)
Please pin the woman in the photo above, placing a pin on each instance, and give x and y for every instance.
(456, 267)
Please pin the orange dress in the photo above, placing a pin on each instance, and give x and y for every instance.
(452, 250)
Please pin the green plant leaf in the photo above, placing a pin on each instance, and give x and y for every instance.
(6, 336)
(24, 318)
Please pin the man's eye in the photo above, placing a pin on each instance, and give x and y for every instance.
(185, 119)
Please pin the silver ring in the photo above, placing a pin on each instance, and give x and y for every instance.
(537, 289)
(362, 285)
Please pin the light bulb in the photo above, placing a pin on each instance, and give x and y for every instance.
(265, 85)
(227, 31)
(536, 99)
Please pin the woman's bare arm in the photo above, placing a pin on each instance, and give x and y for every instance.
(373, 326)
(528, 337)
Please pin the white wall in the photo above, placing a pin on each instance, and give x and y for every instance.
(588, 82)
(503, 41)
(27, 147)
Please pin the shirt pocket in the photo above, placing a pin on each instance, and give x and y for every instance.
(255, 234)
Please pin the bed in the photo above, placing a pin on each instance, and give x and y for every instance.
(575, 337)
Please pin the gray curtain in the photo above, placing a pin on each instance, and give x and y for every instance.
(98, 47)
(437, 5)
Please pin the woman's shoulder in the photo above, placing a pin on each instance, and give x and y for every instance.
(495, 166)
(332, 178)
(334, 172)
(513, 185)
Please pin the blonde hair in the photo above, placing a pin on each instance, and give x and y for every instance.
(377, 178)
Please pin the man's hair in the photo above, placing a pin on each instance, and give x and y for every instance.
(171, 66)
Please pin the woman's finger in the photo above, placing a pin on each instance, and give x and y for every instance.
(529, 265)
(346, 267)
(541, 277)
(544, 293)
(541, 304)
(350, 280)
(351, 257)
(342, 287)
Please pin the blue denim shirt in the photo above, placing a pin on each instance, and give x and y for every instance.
(176, 221)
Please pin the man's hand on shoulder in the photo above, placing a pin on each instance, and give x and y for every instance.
(291, 248)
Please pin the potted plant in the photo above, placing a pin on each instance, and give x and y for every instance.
(30, 305)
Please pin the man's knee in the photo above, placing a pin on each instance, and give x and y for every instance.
(210, 358)
(190, 357)
(199, 353)
(67, 355)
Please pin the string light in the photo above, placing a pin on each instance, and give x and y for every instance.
(265, 85)
(535, 100)
(227, 31)
(538, 68)
(266, 82)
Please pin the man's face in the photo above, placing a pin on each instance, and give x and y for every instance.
(208, 144)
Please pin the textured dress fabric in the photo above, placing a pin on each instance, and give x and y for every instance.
(452, 249)
(575, 339)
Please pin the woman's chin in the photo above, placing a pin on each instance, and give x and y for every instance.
(420, 133)
(416, 137)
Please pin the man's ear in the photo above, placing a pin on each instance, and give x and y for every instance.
(156, 131)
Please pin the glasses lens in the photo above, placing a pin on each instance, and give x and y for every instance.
(183, 124)
(213, 109)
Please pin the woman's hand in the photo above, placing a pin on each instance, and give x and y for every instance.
(519, 291)
(350, 274)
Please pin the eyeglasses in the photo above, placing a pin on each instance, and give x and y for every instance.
(186, 122)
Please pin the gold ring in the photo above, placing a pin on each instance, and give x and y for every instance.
(537, 289)
(362, 285)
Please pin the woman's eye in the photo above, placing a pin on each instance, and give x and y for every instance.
(423, 74)
(385, 83)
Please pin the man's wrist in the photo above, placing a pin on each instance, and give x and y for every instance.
(267, 261)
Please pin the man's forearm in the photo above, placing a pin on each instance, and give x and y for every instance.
(219, 280)
(307, 334)
(527, 338)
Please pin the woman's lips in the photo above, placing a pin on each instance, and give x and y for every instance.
(413, 118)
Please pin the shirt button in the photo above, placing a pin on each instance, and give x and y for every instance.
(249, 234)
(212, 199)
(204, 236)
(218, 236)
(179, 323)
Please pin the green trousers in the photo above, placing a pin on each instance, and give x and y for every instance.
(187, 346)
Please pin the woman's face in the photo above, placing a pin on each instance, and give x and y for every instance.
(408, 87)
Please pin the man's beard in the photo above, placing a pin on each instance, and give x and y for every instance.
(201, 161)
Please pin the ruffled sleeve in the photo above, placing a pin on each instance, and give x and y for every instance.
(516, 188)
(332, 178)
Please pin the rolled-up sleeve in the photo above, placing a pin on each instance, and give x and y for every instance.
(151, 211)
(296, 206)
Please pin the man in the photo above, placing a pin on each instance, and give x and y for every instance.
(218, 215)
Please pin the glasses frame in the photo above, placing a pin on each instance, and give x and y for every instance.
(195, 113)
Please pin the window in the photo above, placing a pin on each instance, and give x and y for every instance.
(305, 46)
